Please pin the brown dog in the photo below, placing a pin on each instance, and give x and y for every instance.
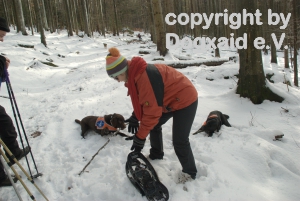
(102, 125)
(213, 123)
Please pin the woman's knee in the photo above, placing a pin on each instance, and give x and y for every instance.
(181, 144)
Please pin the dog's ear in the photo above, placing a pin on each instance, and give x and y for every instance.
(114, 121)
(226, 116)
(224, 120)
(121, 123)
(118, 121)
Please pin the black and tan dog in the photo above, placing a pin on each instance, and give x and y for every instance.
(213, 123)
(103, 125)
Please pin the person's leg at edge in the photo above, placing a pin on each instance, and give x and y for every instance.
(182, 123)
(8, 133)
(156, 142)
(2, 172)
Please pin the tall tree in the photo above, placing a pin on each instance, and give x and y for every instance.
(116, 18)
(6, 11)
(273, 47)
(101, 17)
(74, 14)
(295, 43)
(43, 15)
(159, 27)
(68, 18)
(252, 81)
(30, 16)
(20, 17)
(85, 18)
(151, 19)
(39, 21)
(49, 14)
(216, 8)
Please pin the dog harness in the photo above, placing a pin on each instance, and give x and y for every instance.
(210, 117)
(101, 124)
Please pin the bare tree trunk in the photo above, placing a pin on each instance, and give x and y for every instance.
(49, 15)
(30, 15)
(14, 16)
(73, 16)
(68, 16)
(159, 27)
(20, 17)
(215, 9)
(152, 28)
(11, 13)
(116, 18)
(85, 18)
(90, 8)
(252, 81)
(56, 16)
(6, 11)
(43, 15)
(40, 24)
(273, 53)
(194, 10)
(295, 44)
(273, 47)
(286, 58)
(105, 13)
(102, 19)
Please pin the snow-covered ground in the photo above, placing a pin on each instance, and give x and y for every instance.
(241, 162)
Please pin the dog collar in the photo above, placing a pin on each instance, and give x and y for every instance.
(210, 117)
(101, 124)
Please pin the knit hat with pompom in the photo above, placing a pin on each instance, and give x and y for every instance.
(116, 64)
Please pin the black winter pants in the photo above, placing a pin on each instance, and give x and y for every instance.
(8, 135)
(182, 123)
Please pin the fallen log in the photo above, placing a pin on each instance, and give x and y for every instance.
(187, 63)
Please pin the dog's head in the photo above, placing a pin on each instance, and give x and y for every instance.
(117, 121)
(211, 125)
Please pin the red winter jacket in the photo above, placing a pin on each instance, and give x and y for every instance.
(179, 93)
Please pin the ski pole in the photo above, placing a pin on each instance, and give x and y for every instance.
(97, 153)
(17, 175)
(10, 179)
(20, 166)
(14, 105)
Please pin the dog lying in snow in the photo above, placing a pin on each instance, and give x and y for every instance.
(103, 125)
(213, 123)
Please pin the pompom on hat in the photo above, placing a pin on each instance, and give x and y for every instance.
(116, 64)
(3, 25)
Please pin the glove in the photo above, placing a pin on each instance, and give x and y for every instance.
(133, 126)
(137, 144)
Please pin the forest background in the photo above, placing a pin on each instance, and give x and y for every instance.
(85, 17)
